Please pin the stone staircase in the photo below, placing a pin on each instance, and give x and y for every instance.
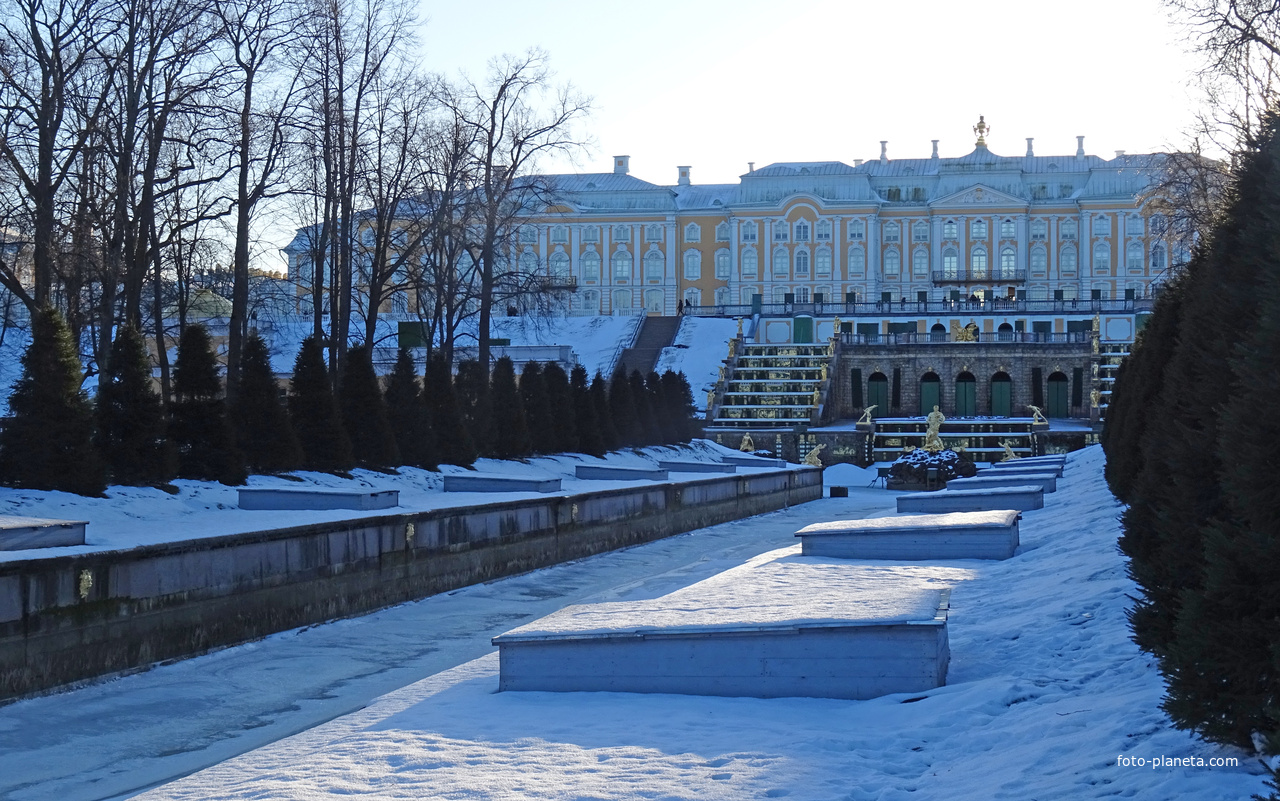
(772, 386)
(655, 334)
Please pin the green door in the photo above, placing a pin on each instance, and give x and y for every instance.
(966, 396)
(802, 329)
(1001, 396)
(1057, 400)
(878, 394)
(930, 394)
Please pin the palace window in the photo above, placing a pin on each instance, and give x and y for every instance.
(722, 296)
(722, 232)
(780, 294)
(1101, 225)
(892, 232)
(920, 232)
(978, 264)
(653, 233)
(1101, 257)
(722, 264)
(560, 234)
(781, 263)
(1008, 264)
(857, 262)
(950, 230)
(654, 299)
(823, 232)
(692, 265)
(590, 301)
(978, 229)
(1067, 261)
(892, 263)
(1157, 257)
(802, 294)
(693, 297)
(802, 231)
(780, 232)
(802, 263)
(655, 266)
(621, 233)
(920, 262)
(692, 233)
(621, 300)
(1007, 230)
(528, 263)
(1068, 229)
(749, 232)
(750, 263)
(822, 262)
(528, 235)
(1133, 225)
(950, 264)
(1133, 257)
(1039, 230)
(621, 265)
(1157, 224)
(1039, 261)
(559, 264)
(591, 266)
(748, 294)
(857, 230)
(590, 233)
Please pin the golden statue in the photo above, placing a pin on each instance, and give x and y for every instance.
(823, 372)
(982, 129)
(835, 326)
(812, 458)
(831, 346)
(747, 444)
(1008, 452)
(866, 414)
(1037, 416)
(965, 334)
(722, 372)
(1095, 398)
(817, 397)
(711, 399)
(733, 348)
(1095, 344)
(739, 336)
(933, 442)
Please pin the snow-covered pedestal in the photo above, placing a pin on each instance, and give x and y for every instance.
(1045, 481)
(1017, 470)
(603, 472)
(777, 626)
(491, 482)
(679, 466)
(21, 533)
(1019, 498)
(1056, 459)
(959, 535)
(277, 498)
(747, 460)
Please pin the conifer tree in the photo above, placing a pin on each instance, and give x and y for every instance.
(622, 409)
(198, 424)
(510, 431)
(471, 386)
(647, 426)
(454, 444)
(537, 410)
(47, 442)
(264, 432)
(364, 412)
(314, 412)
(562, 408)
(604, 416)
(131, 421)
(409, 415)
(586, 422)
(666, 428)
(680, 408)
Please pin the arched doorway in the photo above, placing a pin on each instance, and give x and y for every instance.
(1056, 402)
(966, 395)
(938, 333)
(1001, 395)
(878, 394)
(1004, 333)
(930, 392)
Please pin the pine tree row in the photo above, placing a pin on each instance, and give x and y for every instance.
(1191, 443)
(57, 439)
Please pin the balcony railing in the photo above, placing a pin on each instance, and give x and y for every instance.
(915, 307)
(567, 283)
(943, 338)
(997, 275)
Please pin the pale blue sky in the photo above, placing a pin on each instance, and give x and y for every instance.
(715, 85)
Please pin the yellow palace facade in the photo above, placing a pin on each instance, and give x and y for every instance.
(1029, 227)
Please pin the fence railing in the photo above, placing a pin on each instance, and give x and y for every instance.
(941, 338)
(918, 307)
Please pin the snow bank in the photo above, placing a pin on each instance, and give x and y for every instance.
(698, 351)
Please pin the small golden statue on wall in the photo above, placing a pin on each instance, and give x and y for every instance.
(817, 397)
(733, 348)
(933, 442)
(1095, 398)
(823, 372)
(1037, 416)
(866, 414)
(812, 459)
(711, 399)
(748, 445)
(739, 336)
(1008, 452)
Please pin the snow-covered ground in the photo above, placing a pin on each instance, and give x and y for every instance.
(699, 350)
(132, 516)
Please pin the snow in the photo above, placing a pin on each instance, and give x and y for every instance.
(779, 589)
(699, 350)
(848, 475)
(1045, 692)
(1000, 519)
(132, 516)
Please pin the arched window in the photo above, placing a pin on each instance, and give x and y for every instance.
(1007, 229)
(950, 230)
(892, 232)
(1068, 228)
(802, 231)
(559, 264)
(950, 264)
(930, 384)
(1039, 230)
(978, 264)
(622, 233)
(937, 333)
(822, 262)
(781, 262)
(1056, 405)
(722, 296)
(748, 294)
(1002, 387)
(722, 232)
(1039, 261)
(750, 263)
(857, 230)
(655, 266)
(591, 266)
(978, 229)
(780, 294)
(590, 301)
(1133, 257)
(920, 262)
(802, 263)
(722, 264)
(1008, 264)
(528, 263)
(920, 232)
(1101, 225)
(966, 395)
(560, 234)
(892, 263)
(622, 301)
(1157, 257)
(654, 299)
(1101, 257)
(692, 265)
(653, 233)
(622, 265)
(857, 262)
(878, 394)
(1067, 261)
(692, 233)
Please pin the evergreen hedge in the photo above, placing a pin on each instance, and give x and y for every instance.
(454, 443)
(364, 412)
(264, 432)
(314, 412)
(409, 414)
(131, 421)
(198, 424)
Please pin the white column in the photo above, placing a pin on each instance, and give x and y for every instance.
(874, 278)
(671, 281)
(1020, 223)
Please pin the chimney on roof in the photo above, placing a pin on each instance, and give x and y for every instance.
(683, 179)
(1030, 150)
(935, 148)
(751, 167)
(621, 165)
(1079, 147)
(884, 151)
(1119, 153)
(857, 162)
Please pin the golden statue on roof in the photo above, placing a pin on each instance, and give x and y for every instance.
(982, 129)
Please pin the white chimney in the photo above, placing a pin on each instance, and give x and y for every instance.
(1119, 153)
(857, 162)
(621, 165)
(751, 166)
(884, 151)
(935, 148)
(683, 180)
(1030, 150)
(1079, 147)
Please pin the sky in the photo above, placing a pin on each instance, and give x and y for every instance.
(718, 85)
